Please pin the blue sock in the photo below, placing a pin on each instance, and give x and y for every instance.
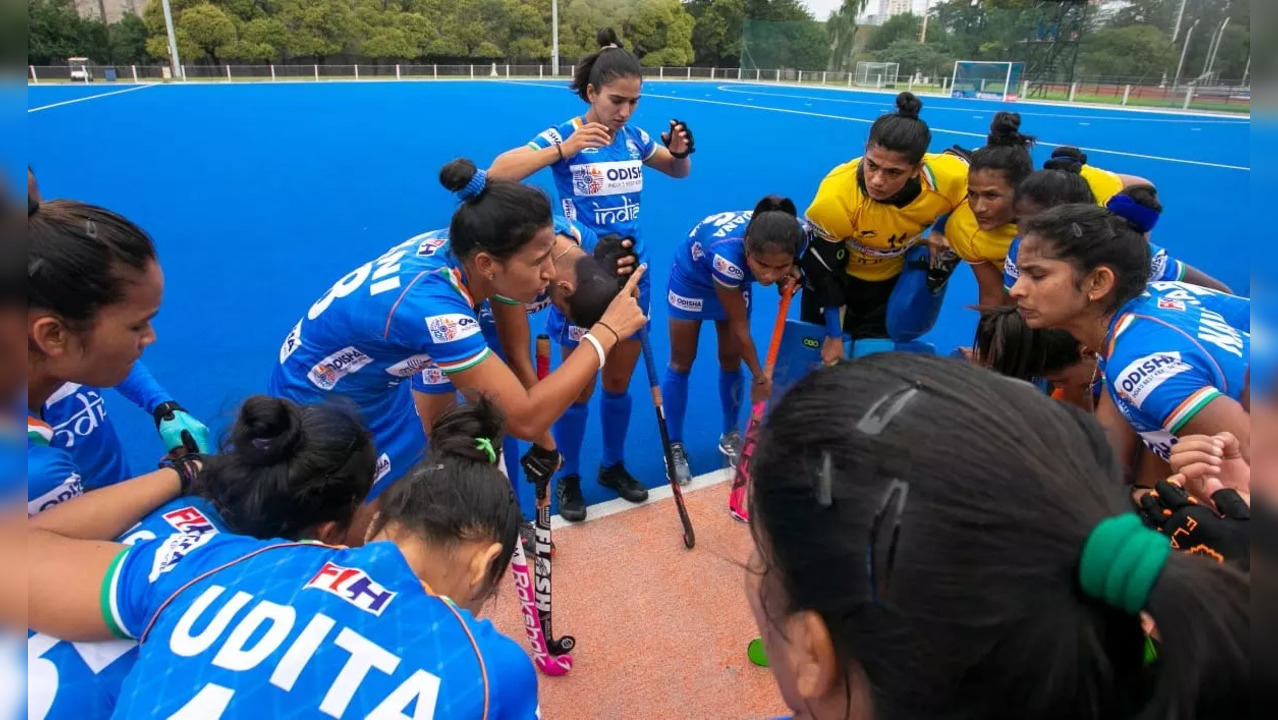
(674, 393)
(569, 431)
(730, 391)
(616, 420)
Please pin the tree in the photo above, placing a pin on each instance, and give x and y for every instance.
(905, 26)
(1135, 51)
(210, 30)
(388, 43)
(660, 32)
(55, 32)
(842, 30)
(128, 40)
(318, 28)
(716, 31)
(915, 57)
(262, 39)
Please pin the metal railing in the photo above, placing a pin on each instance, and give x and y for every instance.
(1222, 97)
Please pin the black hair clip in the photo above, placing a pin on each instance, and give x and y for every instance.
(885, 532)
(1077, 230)
(825, 481)
(886, 408)
(34, 266)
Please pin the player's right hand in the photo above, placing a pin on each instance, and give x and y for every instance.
(589, 135)
(1210, 463)
(832, 350)
(624, 314)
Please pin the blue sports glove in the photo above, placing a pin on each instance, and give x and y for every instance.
(180, 430)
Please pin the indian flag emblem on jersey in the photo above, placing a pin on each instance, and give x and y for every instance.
(39, 431)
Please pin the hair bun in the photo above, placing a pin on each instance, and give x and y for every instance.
(458, 432)
(1005, 130)
(908, 105)
(269, 430)
(607, 37)
(455, 175)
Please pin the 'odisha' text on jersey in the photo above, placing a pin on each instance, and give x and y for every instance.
(78, 416)
(52, 476)
(715, 253)
(1169, 353)
(82, 680)
(257, 628)
(600, 187)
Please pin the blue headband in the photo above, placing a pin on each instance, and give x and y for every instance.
(477, 183)
(1142, 218)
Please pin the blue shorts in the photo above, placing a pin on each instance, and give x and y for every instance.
(697, 302)
(568, 335)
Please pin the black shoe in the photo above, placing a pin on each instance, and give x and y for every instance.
(624, 483)
(572, 506)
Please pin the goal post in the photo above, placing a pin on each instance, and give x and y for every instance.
(877, 74)
(987, 80)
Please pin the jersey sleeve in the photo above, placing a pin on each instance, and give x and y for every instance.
(1161, 372)
(435, 318)
(145, 574)
(647, 146)
(948, 176)
(727, 267)
(1011, 273)
(549, 137)
(828, 213)
(52, 478)
(142, 389)
(1163, 267)
(1104, 184)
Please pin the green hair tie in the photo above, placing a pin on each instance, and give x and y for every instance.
(487, 446)
(1121, 561)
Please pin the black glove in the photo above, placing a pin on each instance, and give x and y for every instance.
(1198, 529)
(540, 464)
(667, 136)
(187, 467)
(824, 264)
(611, 249)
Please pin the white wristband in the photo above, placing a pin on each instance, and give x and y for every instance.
(598, 348)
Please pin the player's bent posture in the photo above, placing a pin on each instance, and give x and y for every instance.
(869, 213)
(285, 472)
(94, 285)
(1174, 356)
(598, 161)
(899, 579)
(981, 230)
(235, 626)
(77, 413)
(711, 278)
(416, 308)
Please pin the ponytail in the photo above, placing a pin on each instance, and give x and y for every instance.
(610, 62)
(495, 216)
(457, 493)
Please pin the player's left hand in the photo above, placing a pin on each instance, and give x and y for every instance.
(678, 140)
(760, 390)
(1222, 533)
(180, 432)
(540, 464)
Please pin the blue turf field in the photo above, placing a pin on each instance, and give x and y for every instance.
(261, 195)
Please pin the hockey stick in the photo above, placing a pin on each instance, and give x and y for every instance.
(689, 537)
(541, 564)
(739, 497)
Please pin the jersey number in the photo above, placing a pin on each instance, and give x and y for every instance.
(383, 271)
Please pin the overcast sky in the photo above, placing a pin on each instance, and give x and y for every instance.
(821, 9)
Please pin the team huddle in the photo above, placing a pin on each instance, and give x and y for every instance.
(332, 554)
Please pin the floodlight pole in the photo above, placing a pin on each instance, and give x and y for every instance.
(174, 60)
(554, 37)
(1215, 50)
(1183, 52)
(1180, 17)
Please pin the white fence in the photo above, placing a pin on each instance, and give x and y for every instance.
(1236, 100)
